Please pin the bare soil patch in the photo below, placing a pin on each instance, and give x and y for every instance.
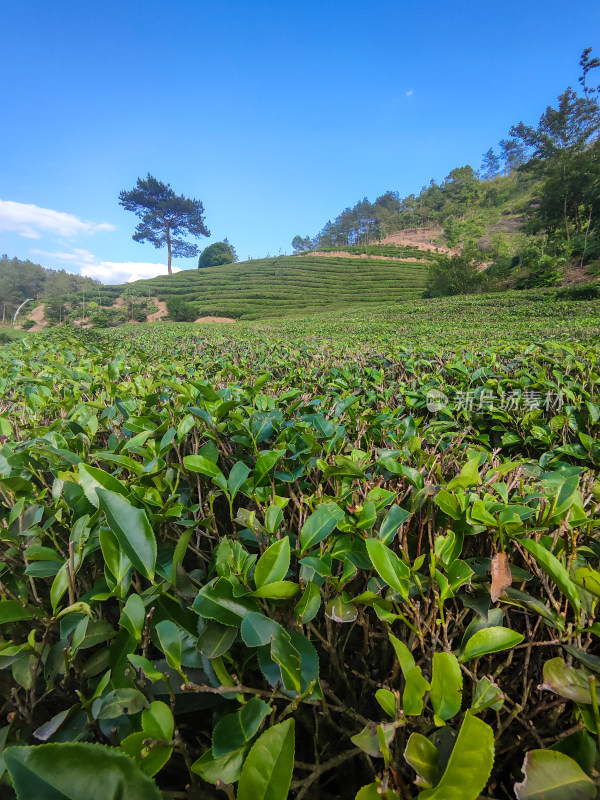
(37, 315)
(423, 238)
(215, 319)
(161, 313)
(576, 273)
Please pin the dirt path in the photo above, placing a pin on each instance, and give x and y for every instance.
(37, 315)
(215, 319)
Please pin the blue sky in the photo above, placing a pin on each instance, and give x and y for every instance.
(277, 115)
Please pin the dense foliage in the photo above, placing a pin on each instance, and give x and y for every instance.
(180, 310)
(20, 280)
(304, 557)
(457, 274)
(216, 254)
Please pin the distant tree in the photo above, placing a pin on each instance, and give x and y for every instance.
(231, 248)
(22, 279)
(302, 244)
(564, 153)
(461, 189)
(490, 166)
(165, 217)
(216, 254)
(513, 154)
(459, 274)
(587, 64)
(389, 200)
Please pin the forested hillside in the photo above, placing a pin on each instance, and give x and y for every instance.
(533, 203)
(20, 280)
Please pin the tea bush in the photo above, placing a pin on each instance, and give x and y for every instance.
(351, 555)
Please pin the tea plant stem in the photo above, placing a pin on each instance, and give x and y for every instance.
(194, 687)
(595, 711)
(307, 781)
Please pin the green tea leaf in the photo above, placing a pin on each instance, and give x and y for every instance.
(555, 570)
(469, 766)
(588, 579)
(234, 731)
(274, 563)
(309, 604)
(396, 517)
(13, 611)
(566, 681)
(237, 476)
(133, 616)
(387, 700)
(469, 476)
(267, 771)
(490, 640)
(217, 601)
(446, 687)
(320, 524)
(551, 775)
(258, 630)
(67, 771)
(424, 758)
(387, 564)
(278, 590)
(289, 659)
(117, 702)
(216, 639)
(215, 769)
(133, 531)
(202, 465)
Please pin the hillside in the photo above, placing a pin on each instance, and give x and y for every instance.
(20, 280)
(261, 288)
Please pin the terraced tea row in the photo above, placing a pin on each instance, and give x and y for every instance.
(270, 287)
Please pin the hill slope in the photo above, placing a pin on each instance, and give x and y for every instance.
(277, 286)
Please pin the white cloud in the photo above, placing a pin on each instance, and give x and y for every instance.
(32, 222)
(124, 272)
(410, 93)
(106, 271)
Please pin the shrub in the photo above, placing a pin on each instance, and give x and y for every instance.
(585, 291)
(458, 274)
(216, 254)
(180, 310)
(542, 268)
(108, 317)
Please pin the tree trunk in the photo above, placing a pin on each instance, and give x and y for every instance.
(169, 246)
(566, 219)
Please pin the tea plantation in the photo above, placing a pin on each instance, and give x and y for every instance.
(346, 555)
(276, 286)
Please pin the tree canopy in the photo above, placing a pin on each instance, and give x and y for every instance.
(22, 279)
(165, 217)
(216, 254)
(563, 152)
(457, 274)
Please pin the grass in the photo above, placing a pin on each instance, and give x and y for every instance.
(10, 334)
